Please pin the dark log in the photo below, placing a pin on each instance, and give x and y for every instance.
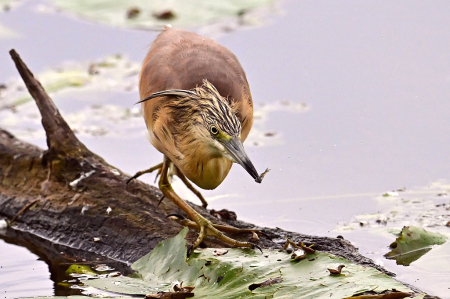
(72, 197)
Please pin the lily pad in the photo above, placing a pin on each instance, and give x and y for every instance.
(80, 269)
(245, 273)
(413, 243)
(96, 97)
(242, 273)
(111, 72)
(422, 207)
(153, 14)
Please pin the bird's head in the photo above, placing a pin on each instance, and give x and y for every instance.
(205, 119)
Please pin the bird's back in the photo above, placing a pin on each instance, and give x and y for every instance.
(181, 59)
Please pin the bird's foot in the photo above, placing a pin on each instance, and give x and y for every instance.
(207, 228)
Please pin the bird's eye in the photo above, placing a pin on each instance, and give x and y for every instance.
(214, 130)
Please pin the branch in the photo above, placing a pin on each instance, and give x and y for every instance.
(60, 138)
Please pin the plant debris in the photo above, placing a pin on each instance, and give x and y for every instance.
(336, 271)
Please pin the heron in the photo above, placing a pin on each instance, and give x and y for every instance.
(198, 110)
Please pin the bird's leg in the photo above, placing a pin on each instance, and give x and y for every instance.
(151, 169)
(178, 173)
(206, 227)
(190, 187)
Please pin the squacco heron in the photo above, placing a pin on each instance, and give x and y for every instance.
(198, 110)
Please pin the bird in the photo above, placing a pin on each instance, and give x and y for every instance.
(198, 110)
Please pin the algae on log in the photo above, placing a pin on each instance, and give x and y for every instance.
(71, 196)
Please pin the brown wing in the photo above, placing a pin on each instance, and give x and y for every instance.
(180, 59)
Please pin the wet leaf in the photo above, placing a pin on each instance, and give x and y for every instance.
(154, 14)
(243, 273)
(413, 243)
(233, 274)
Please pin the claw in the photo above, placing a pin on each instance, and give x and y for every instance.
(156, 176)
(160, 200)
(150, 170)
(130, 179)
(201, 236)
(256, 246)
(190, 249)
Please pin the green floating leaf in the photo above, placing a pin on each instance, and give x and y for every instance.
(80, 269)
(412, 243)
(242, 273)
(245, 273)
(151, 14)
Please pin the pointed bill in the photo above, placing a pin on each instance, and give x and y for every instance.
(236, 150)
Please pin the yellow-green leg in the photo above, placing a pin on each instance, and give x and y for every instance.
(179, 174)
(206, 227)
(190, 187)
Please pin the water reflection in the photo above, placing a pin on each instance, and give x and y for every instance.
(22, 273)
(37, 267)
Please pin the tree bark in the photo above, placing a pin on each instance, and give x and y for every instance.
(70, 196)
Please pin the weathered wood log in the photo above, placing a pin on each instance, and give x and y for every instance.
(71, 196)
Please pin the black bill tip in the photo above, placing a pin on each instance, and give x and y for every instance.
(261, 176)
